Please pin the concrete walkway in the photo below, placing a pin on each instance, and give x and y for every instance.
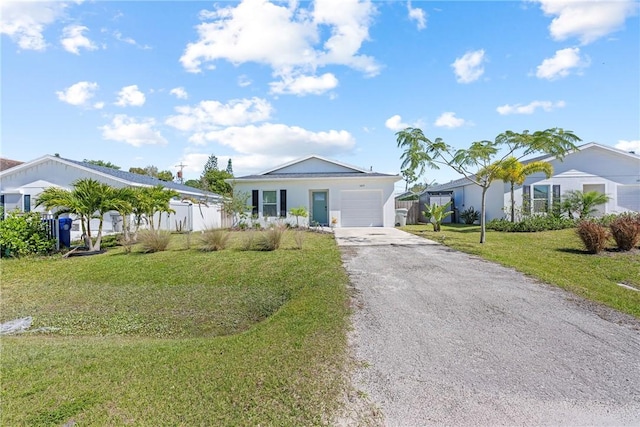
(449, 339)
(376, 236)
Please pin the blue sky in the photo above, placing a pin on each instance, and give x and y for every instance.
(159, 83)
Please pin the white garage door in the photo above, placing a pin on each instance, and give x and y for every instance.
(361, 208)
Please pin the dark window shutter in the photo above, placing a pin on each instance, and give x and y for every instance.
(526, 199)
(283, 203)
(254, 202)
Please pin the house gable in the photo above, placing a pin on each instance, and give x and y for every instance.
(313, 164)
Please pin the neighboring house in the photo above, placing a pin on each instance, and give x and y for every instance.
(593, 167)
(331, 191)
(21, 185)
(8, 163)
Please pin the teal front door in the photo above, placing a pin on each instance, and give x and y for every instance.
(319, 206)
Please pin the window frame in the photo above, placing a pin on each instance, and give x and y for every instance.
(273, 206)
(547, 200)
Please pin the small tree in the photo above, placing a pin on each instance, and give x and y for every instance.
(298, 212)
(235, 205)
(582, 204)
(514, 172)
(436, 214)
(478, 162)
(165, 176)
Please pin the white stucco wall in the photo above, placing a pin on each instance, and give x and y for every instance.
(299, 194)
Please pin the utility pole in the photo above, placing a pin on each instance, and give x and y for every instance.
(180, 176)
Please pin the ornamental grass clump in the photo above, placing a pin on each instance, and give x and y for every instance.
(625, 230)
(299, 237)
(593, 235)
(270, 239)
(214, 240)
(154, 240)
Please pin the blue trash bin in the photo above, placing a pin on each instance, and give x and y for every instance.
(64, 230)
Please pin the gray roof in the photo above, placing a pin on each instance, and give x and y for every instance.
(314, 175)
(142, 179)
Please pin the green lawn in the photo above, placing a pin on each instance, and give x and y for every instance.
(555, 257)
(181, 337)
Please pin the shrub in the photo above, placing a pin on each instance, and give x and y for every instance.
(248, 236)
(593, 235)
(532, 223)
(110, 241)
(299, 238)
(469, 215)
(625, 230)
(24, 234)
(271, 238)
(214, 240)
(154, 240)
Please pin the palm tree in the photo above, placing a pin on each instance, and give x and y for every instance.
(151, 200)
(436, 214)
(89, 199)
(515, 173)
(64, 202)
(584, 204)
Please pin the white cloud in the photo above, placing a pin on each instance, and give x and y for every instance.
(118, 35)
(24, 22)
(468, 68)
(395, 123)
(449, 120)
(179, 93)
(244, 81)
(270, 139)
(130, 95)
(304, 85)
(98, 105)
(587, 20)
(561, 64)
(418, 15)
(530, 108)
(134, 132)
(73, 39)
(629, 146)
(285, 37)
(79, 94)
(211, 115)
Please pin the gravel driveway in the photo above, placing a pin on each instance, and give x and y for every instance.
(445, 338)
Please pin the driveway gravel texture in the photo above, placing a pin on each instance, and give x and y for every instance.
(444, 338)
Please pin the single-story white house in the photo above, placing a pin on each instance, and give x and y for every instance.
(332, 192)
(20, 186)
(593, 167)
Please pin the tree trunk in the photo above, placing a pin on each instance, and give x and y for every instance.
(96, 246)
(483, 215)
